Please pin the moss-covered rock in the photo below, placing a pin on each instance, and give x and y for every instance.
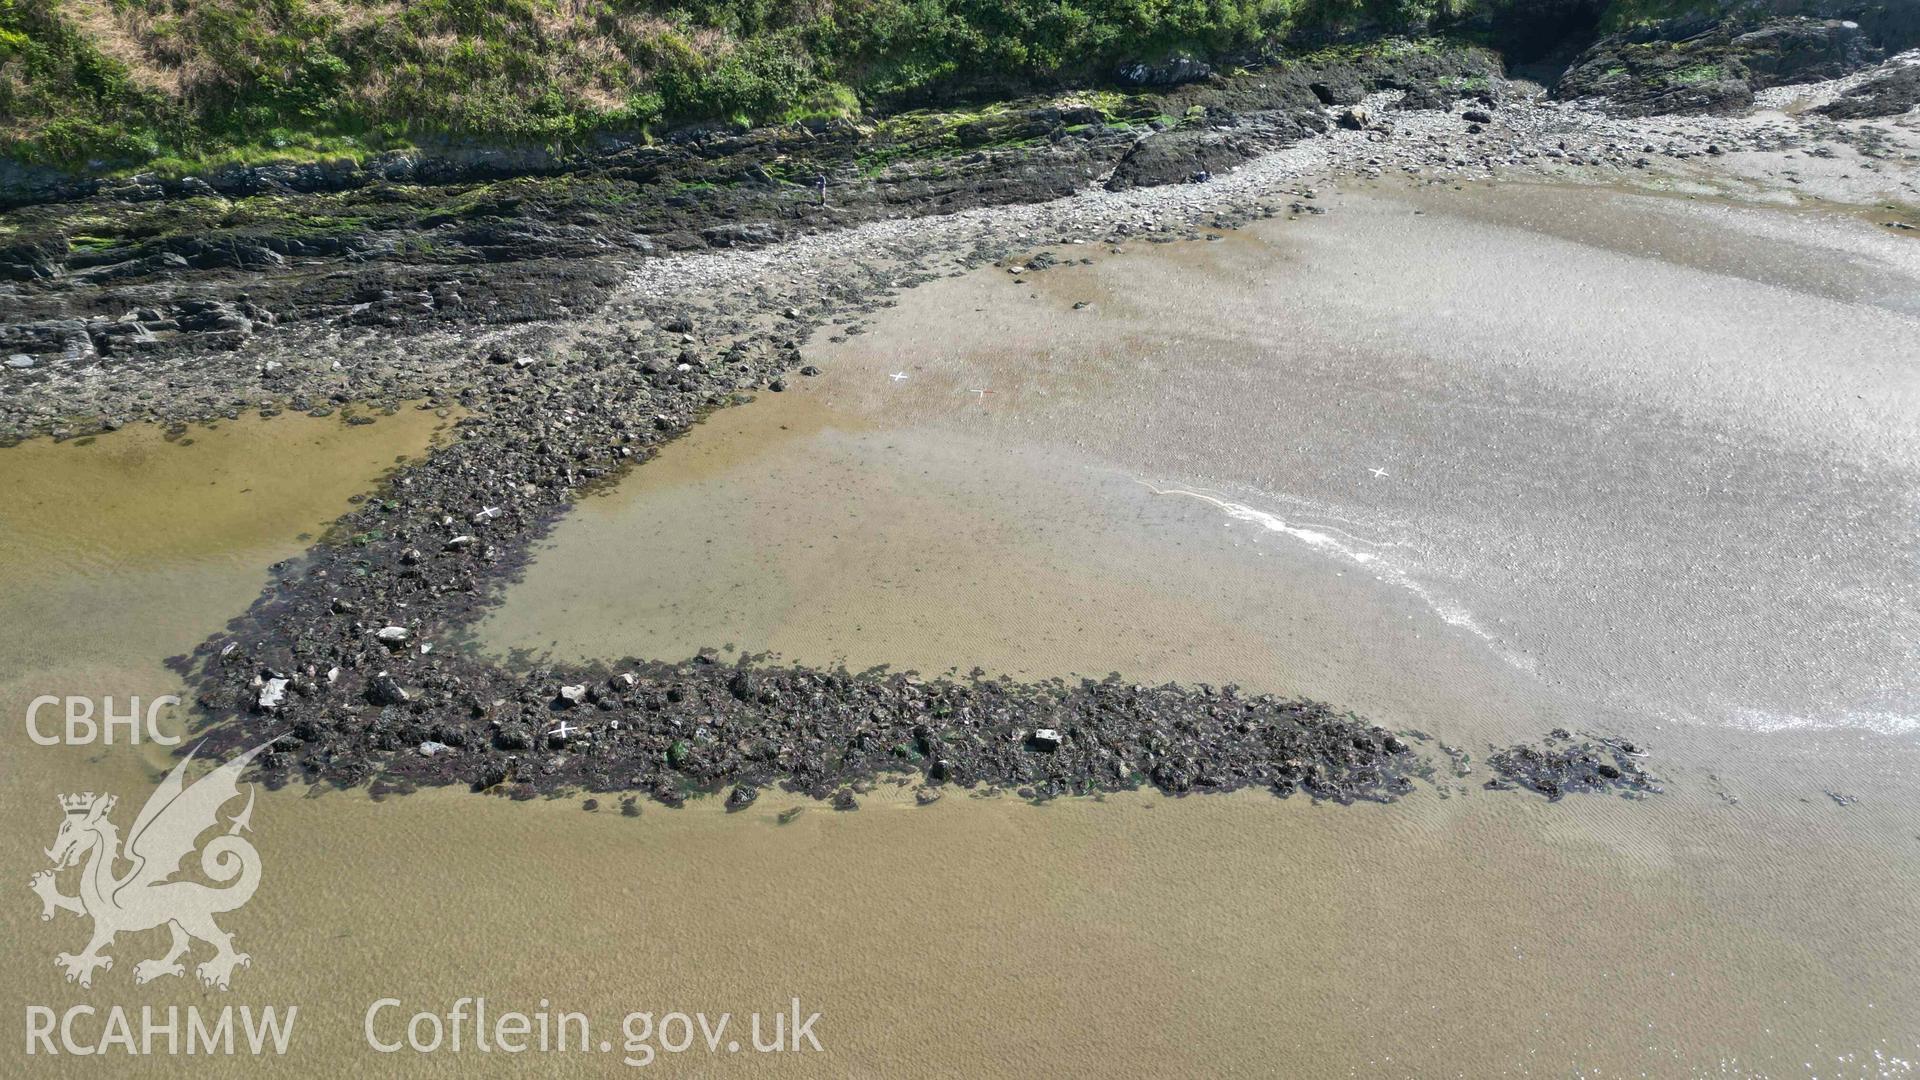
(1709, 66)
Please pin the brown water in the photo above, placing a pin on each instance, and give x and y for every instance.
(1744, 924)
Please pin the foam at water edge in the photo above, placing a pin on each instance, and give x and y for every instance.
(1448, 611)
(1885, 723)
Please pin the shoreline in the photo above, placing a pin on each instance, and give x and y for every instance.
(333, 652)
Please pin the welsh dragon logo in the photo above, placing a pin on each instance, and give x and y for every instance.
(166, 831)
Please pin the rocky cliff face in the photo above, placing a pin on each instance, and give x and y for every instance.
(1701, 64)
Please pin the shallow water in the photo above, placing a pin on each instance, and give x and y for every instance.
(1742, 924)
(1645, 454)
(1479, 462)
(124, 550)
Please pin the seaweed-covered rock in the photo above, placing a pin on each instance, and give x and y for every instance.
(1179, 157)
(1564, 764)
(1888, 95)
(1698, 66)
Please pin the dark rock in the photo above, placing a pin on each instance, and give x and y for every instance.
(1176, 157)
(1888, 95)
(1695, 65)
(754, 234)
(1340, 87)
(384, 689)
(1565, 763)
(1425, 97)
(1171, 72)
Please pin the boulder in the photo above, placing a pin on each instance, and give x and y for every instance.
(1703, 66)
(750, 234)
(1888, 95)
(1178, 157)
(1173, 71)
(384, 689)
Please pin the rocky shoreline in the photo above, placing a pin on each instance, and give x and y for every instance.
(569, 363)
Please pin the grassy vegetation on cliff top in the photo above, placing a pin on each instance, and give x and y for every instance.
(191, 83)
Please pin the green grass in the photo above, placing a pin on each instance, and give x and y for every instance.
(1698, 73)
(1622, 14)
(1377, 48)
(306, 80)
(300, 80)
(932, 134)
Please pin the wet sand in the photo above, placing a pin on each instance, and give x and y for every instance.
(1742, 924)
